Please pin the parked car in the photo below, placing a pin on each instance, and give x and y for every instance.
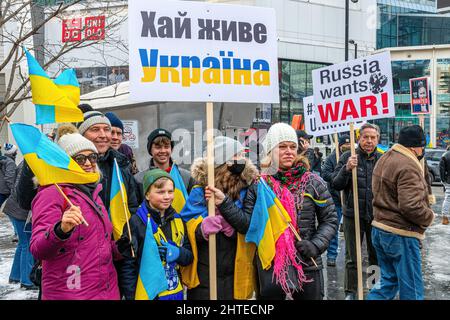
(433, 157)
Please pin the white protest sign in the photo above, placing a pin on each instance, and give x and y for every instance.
(317, 130)
(356, 90)
(205, 52)
(131, 133)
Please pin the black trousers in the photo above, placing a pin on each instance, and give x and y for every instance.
(313, 290)
(351, 274)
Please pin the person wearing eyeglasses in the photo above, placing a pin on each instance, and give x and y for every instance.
(77, 259)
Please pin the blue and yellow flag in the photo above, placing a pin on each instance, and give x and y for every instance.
(117, 208)
(179, 200)
(382, 148)
(269, 221)
(152, 277)
(47, 160)
(56, 101)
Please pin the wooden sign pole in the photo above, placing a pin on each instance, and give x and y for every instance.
(211, 204)
(336, 139)
(422, 124)
(356, 210)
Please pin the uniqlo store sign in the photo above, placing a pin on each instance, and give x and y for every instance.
(77, 29)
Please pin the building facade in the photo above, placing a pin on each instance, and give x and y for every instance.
(416, 35)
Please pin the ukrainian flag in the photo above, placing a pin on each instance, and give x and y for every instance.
(382, 148)
(117, 208)
(179, 200)
(152, 277)
(269, 221)
(47, 160)
(56, 101)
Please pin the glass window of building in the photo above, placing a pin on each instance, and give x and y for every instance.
(295, 84)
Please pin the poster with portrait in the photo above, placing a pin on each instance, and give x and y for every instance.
(420, 96)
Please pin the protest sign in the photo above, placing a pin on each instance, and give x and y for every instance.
(420, 95)
(353, 91)
(191, 51)
(317, 130)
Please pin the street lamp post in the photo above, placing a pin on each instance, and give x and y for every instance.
(347, 18)
(356, 47)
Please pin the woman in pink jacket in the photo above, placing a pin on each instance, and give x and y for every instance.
(77, 260)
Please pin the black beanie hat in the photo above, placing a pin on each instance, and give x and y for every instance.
(158, 133)
(412, 137)
(344, 139)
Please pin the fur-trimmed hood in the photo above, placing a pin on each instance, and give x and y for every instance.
(199, 170)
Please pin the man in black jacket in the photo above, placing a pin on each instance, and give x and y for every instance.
(365, 159)
(327, 175)
(96, 127)
(444, 170)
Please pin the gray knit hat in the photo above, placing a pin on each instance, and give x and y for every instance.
(92, 118)
(224, 149)
(73, 143)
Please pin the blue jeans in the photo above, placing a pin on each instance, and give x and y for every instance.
(23, 259)
(401, 267)
(332, 251)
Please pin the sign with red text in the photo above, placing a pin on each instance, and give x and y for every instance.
(354, 91)
(131, 133)
(311, 126)
(420, 95)
(92, 29)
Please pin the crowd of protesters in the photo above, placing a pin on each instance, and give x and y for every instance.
(57, 249)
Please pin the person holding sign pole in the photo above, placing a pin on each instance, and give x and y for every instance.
(306, 195)
(235, 193)
(402, 213)
(327, 175)
(72, 234)
(365, 159)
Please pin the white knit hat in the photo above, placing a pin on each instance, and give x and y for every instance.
(224, 149)
(73, 143)
(279, 132)
(9, 148)
(92, 118)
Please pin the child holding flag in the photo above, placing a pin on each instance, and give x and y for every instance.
(169, 233)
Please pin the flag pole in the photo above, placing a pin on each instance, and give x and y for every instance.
(124, 205)
(356, 211)
(211, 203)
(70, 203)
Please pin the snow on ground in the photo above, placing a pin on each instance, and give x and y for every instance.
(7, 249)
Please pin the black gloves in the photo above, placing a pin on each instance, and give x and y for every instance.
(307, 249)
(124, 246)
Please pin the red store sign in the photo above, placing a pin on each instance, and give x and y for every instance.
(93, 29)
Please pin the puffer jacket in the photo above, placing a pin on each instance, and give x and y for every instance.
(106, 164)
(7, 174)
(316, 220)
(12, 208)
(239, 219)
(188, 181)
(342, 180)
(444, 167)
(130, 270)
(327, 174)
(80, 266)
